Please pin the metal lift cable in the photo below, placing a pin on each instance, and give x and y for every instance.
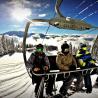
(46, 33)
(48, 28)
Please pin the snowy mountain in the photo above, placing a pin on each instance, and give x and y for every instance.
(15, 33)
(21, 34)
(55, 40)
(40, 35)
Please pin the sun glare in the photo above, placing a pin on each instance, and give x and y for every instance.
(21, 14)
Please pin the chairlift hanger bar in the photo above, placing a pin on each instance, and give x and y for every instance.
(67, 72)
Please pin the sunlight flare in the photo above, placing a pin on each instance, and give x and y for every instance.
(21, 14)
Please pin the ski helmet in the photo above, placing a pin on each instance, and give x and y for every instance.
(83, 46)
(39, 48)
(65, 47)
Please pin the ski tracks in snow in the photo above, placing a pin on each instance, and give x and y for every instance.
(14, 79)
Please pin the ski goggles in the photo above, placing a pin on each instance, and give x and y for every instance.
(39, 49)
(84, 48)
(66, 50)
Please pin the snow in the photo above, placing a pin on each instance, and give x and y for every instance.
(14, 79)
(58, 40)
(16, 83)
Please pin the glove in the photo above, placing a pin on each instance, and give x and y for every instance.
(73, 67)
(36, 69)
(46, 68)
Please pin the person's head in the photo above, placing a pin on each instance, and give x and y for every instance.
(83, 46)
(65, 48)
(39, 48)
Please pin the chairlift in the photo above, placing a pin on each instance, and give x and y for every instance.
(52, 59)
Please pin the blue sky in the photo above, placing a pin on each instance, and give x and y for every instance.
(11, 18)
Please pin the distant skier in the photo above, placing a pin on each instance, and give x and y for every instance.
(85, 61)
(65, 62)
(39, 63)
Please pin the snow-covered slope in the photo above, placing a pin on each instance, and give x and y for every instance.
(14, 79)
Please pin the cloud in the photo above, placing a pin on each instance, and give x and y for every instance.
(41, 15)
(4, 10)
(24, 7)
(21, 13)
(15, 8)
(47, 5)
(27, 3)
(36, 5)
(15, 26)
(33, 29)
(33, 6)
(20, 29)
(39, 24)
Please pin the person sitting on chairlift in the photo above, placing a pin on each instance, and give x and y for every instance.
(65, 62)
(39, 64)
(85, 61)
